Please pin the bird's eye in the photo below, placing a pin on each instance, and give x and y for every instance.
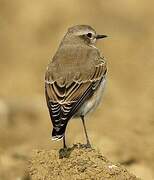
(89, 35)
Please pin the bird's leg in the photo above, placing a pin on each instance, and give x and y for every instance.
(64, 152)
(64, 143)
(88, 145)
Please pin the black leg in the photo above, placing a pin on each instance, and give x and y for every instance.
(64, 143)
(64, 152)
(88, 142)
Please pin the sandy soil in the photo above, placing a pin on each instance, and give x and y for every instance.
(122, 128)
(77, 162)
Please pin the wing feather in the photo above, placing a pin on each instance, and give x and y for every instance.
(65, 100)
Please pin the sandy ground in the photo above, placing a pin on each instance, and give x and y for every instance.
(122, 128)
(77, 162)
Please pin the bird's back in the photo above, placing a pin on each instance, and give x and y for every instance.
(73, 63)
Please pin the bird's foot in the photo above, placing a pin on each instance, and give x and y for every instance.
(65, 152)
(88, 145)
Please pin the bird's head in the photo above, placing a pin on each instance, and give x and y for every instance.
(83, 33)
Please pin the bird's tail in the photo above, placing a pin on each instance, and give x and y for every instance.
(58, 133)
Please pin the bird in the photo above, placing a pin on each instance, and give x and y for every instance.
(75, 79)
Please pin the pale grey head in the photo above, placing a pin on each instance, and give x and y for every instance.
(82, 34)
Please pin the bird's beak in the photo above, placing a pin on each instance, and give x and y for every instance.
(100, 36)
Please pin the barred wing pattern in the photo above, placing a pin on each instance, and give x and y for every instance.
(64, 100)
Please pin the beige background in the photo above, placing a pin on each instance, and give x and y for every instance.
(123, 127)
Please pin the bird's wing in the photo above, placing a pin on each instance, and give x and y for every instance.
(64, 99)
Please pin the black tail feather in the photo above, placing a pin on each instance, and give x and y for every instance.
(58, 132)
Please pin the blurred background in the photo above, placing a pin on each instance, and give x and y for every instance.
(122, 128)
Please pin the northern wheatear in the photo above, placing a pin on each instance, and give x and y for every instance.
(75, 79)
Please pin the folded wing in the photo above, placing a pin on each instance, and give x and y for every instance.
(64, 99)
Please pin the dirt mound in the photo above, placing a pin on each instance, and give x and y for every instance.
(77, 162)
